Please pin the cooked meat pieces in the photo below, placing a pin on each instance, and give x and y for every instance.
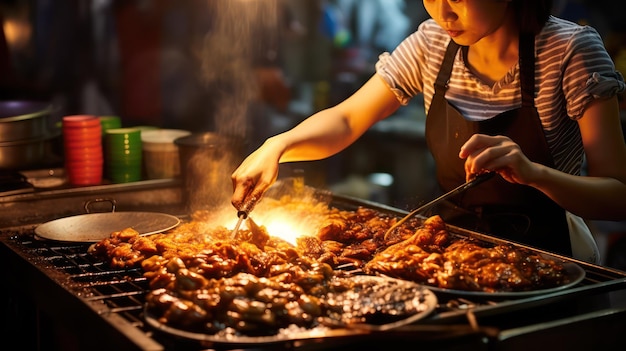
(203, 279)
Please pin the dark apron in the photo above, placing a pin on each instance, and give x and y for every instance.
(511, 211)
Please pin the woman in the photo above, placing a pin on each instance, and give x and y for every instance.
(507, 88)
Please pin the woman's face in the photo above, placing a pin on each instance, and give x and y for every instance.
(468, 21)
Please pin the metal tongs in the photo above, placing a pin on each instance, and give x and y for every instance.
(241, 215)
(479, 178)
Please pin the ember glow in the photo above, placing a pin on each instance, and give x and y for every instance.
(287, 229)
(287, 222)
(282, 226)
(288, 210)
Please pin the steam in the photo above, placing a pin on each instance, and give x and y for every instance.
(239, 30)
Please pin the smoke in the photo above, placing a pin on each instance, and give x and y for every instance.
(241, 31)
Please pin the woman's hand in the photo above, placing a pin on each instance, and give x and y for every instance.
(255, 175)
(500, 154)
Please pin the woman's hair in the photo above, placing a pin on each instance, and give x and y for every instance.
(531, 15)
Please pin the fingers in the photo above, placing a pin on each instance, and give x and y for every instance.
(247, 190)
(477, 143)
(496, 153)
(484, 153)
(489, 159)
(246, 196)
(247, 193)
(241, 191)
(477, 151)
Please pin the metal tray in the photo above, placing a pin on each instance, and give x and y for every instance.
(574, 272)
(423, 302)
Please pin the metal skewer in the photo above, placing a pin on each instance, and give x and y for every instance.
(242, 215)
(461, 188)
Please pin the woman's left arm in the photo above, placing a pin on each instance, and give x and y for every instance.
(601, 194)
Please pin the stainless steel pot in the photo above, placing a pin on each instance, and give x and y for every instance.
(24, 120)
(28, 154)
(207, 161)
(28, 135)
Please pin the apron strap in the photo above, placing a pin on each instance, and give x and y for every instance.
(527, 68)
(441, 84)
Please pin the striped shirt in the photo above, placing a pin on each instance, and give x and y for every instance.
(572, 68)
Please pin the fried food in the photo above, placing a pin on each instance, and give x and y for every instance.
(202, 279)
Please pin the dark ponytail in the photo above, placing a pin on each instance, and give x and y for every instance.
(531, 15)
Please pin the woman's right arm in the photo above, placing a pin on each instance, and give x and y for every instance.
(317, 137)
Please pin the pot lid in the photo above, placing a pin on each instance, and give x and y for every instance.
(17, 110)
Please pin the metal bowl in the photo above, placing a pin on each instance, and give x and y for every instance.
(27, 154)
(207, 161)
(24, 120)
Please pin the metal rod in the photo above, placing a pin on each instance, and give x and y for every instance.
(461, 188)
(242, 215)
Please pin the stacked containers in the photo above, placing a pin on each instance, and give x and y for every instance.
(160, 154)
(82, 142)
(109, 122)
(123, 154)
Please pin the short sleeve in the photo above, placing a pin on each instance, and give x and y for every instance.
(386, 72)
(589, 72)
(409, 66)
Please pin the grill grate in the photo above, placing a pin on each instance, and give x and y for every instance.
(122, 291)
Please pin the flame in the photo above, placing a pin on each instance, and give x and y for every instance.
(292, 212)
(287, 229)
(280, 224)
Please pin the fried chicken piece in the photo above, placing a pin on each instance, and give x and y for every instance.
(310, 246)
(124, 248)
(500, 276)
(407, 261)
(334, 228)
(434, 223)
(364, 250)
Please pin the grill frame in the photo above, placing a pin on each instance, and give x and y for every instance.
(105, 306)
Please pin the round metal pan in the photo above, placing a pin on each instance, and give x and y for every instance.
(575, 274)
(419, 303)
(93, 227)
